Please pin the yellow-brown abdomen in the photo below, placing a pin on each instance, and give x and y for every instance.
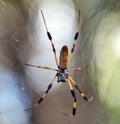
(64, 57)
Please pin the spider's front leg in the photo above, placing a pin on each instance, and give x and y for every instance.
(44, 95)
(81, 93)
(75, 100)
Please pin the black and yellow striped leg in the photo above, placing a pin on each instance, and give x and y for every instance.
(74, 96)
(44, 95)
(76, 86)
(75, 38)
(43, 67)
(50, 38)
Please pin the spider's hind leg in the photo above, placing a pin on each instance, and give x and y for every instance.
(50, 39)
(75, 39)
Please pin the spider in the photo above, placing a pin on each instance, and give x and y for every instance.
(62, 68)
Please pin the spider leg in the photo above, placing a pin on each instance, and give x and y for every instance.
(50, 38)
(76, 69)
(75, 39)
(76, 86)
(44, 67)
(44, 95)
(73, 70)
(75, 100)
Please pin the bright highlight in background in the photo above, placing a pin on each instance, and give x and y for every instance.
(11, 100)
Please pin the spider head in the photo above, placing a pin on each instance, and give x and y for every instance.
(62, 75)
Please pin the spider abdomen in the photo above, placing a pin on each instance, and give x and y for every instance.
(64, 57)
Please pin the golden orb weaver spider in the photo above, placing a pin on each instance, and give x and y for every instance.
(62, 68)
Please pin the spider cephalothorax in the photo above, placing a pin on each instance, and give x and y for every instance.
(62, 75)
